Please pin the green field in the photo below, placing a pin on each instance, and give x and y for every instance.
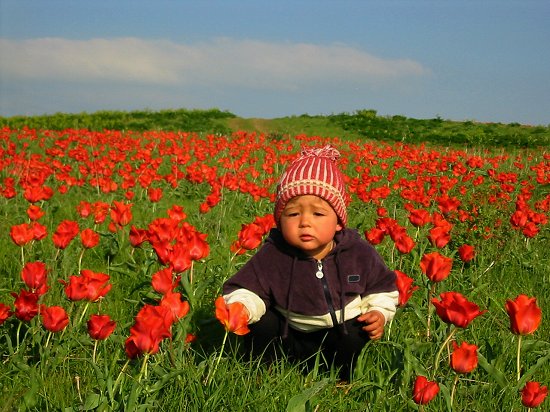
(489, 182)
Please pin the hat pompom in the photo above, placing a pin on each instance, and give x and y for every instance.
(328, 152)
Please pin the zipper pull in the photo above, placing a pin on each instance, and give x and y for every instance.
(319, 274)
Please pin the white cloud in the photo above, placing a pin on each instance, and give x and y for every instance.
(223, 61)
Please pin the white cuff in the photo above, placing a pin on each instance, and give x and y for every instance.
(385, 303)
(252, 302)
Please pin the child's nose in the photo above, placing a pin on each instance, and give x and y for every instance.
(304, 220)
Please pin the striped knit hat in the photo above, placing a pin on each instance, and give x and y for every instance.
(315, 172)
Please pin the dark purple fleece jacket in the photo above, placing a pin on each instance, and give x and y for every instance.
(284, 276)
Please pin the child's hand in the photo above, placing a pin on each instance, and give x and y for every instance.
(374, 323)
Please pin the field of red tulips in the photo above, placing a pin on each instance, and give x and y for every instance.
(115, 246)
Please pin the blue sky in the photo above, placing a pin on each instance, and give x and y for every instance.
(483, 60)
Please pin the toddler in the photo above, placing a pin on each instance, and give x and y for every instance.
(314, 285)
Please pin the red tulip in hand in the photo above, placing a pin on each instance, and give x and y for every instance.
(233, 317)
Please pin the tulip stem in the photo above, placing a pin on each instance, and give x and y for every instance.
(518, 362)
(209, 376)
(431, 292)
(48, 340)
(120, 375)
(443, 346)
(84, 310)
(95, 349)
(17, 335)
(80, 260)
(453, 390)
(143, 371)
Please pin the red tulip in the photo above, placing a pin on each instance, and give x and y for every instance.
(180, 259)
(404, 243)
(162, 230)
(163, 281)
(197, 245)
(405, 287)
(5, 312)
(519, 219)
(89, 238)
(466, 253)
(21, 234)
(176, 213)
(35, 194)
(121, 213)
(88, 286)
(456, 309)
(152, 325)
(424, 390)
(375, 236)
(464, 357)
(177, 307)
(249, 238)
(84, 208)
(100, 327)
(54, 318)
(447, 204)
(100, 209)
(96, 283)
(266, 222)
(233, 317)
(39, 231)
(436, 266)
(34, 212)
(137, 236)
(533, 394)
(65, 232)
(439, 236)
(154, 194)
(419, 217)
(530, 229)
(525, 315)
(34, 275)
(26, 305)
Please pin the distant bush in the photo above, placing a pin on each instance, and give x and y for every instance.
(169, 120)
(444, 132)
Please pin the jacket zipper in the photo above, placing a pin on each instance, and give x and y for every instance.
(321, 276)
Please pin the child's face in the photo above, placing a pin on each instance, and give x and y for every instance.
(309, 223)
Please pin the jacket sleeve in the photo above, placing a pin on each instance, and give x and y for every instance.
(250, 286)
(381, 293)
(385, 303)
(252, 302)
